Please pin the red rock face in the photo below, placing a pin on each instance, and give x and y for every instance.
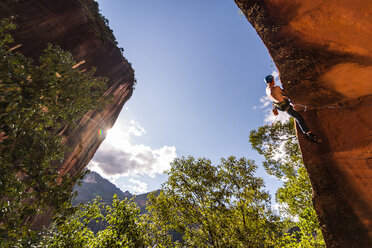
(71, 25)
(323, 52)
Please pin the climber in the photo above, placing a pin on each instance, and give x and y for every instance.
(282, 102)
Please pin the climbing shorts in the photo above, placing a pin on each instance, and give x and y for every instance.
(283, 106)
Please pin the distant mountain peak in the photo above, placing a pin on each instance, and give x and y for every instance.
(127, 193)
(90, 178)
(94, 185)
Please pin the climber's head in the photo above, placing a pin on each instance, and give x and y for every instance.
(269, 79)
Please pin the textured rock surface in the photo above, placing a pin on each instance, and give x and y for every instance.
(74, 26)
(323, 52)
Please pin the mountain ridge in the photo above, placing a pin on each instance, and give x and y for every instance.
(94, 185)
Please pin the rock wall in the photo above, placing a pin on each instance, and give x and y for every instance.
(322, 49)
(75, 26)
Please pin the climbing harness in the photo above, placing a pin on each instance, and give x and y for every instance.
(283, 106)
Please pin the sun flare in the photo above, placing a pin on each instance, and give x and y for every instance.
(116, 137)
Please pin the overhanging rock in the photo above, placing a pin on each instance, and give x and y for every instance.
(323, 52)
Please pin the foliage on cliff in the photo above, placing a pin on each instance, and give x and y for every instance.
(101, 23)
(37, 101)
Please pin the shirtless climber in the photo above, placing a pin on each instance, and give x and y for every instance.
(281, 102)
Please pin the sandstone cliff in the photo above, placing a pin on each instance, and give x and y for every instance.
(322, 50)
(77, 27)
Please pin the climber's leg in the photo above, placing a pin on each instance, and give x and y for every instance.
(299, 119)
(301, 123)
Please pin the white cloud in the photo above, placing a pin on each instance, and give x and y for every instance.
(119, 156)
(266, 105)
(281, 209)
(270, 117)
(275, 75)
(265, 101)
(276, 207)
(140, 187)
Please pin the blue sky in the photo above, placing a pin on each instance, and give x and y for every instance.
(199, 67)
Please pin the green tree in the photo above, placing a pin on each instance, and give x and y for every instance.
(279, 145)
(214, 206)
(37, 100)
(124, 228)
(211, 206)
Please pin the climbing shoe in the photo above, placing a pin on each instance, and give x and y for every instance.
(313, 138)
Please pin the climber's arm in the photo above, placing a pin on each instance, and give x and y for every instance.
(275, 111)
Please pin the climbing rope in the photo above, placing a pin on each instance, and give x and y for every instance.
(338, 106)
(335, 106)
(276, 117)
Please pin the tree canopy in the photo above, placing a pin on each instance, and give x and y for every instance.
(123, 227)
(279, 145)
(215, 206)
